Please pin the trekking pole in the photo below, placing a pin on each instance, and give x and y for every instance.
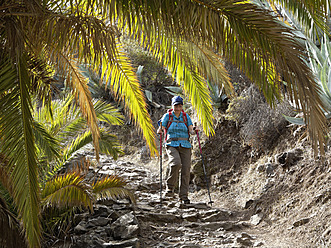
(204, 170)
(161, 169)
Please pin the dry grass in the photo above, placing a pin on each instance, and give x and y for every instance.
(260, 125)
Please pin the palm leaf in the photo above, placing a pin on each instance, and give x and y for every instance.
(180, 56)
(107, 113)
(18, 146)
(80, 141)
(47, 144)
(247, 35)
(112, 187)
(42, 80)
(67, 191)
(125, 85)
(300, 81)
(109, 145)
(309, 13)
(84, 99)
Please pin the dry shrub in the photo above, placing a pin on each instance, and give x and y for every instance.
(260, 126)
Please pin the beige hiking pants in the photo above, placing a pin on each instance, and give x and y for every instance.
(179, 160)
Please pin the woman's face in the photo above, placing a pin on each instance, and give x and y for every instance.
(177, 108)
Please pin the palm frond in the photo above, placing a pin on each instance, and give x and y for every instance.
(58, 222)
(71, 128)
(198, 91)
(83, 32)
(188, 62)
(67, 120)
(80, 167)
(282, 55)
(79, 85)
(18, 146)
(84, 99)
(47, 144)
(109, 145)
(112, 187)
(125, 85)
(80, 141)
(42, 80)
(311, 14)
(247, 35)
(107, 113)
(67, 191)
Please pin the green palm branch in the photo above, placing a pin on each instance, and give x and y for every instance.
(18, 144)
(71, 133)
(65, 34)
(108, 145)
(309, 16)
(65, 191)
(47, 146)
(63, 194)
(190, 64)
(249, 36)
(123, 81)
(112, 187)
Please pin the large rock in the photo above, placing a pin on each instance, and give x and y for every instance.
(256, 219)
(102, 210)
(218, 216)
(124, 227)
(100, 221)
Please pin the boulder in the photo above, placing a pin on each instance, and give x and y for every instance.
(124, 227)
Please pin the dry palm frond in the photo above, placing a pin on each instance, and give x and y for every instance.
(83, 96)
(80, 167)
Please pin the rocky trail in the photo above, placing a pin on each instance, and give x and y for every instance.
(150, 224)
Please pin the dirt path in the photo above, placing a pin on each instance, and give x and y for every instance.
(193, 225)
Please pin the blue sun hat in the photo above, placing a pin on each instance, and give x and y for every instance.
(176, 100)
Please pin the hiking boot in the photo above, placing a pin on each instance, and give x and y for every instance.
(186, 201)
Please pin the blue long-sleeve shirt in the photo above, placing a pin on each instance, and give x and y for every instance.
(177, 130)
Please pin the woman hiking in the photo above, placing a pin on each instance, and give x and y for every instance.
(177, 127)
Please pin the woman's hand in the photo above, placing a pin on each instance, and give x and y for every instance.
(196, 129)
